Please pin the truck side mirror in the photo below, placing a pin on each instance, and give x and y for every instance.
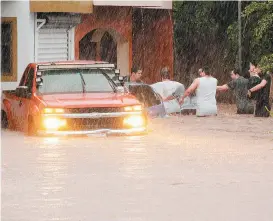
(39, 82)
(117, 72)
(121, 80)
(22, 91)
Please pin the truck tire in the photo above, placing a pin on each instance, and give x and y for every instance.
(4, 120)
(32, 128)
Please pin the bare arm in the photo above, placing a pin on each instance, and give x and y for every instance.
(171, 97)
(222, 88)
(164, 95)
(258, 86)
(191, 89)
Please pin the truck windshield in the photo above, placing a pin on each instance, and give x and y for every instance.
(74, 81)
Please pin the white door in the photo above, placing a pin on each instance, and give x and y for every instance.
(53, 45)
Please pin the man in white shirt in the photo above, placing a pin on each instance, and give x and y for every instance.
(170, 91)
(205, 88)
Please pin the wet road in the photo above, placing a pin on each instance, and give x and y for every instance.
(187, 168)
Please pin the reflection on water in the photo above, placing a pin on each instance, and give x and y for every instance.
(134, 157)
(52, 167)
(50, 141)
(180, 166)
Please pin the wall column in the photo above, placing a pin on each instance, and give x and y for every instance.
(98, 57)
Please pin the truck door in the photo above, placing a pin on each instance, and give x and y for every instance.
(23, 104)
(15, 102)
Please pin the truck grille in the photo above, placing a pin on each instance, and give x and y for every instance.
(95, 110)
(91, 124)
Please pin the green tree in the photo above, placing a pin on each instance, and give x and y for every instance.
(257, 34)
(200, 34)
(206, 33)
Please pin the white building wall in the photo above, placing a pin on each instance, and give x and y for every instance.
(25, 36)
(159, 4)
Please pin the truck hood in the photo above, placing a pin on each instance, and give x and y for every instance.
(88, 100)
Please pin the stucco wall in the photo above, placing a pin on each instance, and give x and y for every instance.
(25, 36)
(153, 42)
(150, 36)
(118, 19)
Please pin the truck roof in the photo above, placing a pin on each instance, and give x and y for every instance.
(71, 62)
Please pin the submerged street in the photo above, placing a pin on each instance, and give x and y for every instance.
(186, 168)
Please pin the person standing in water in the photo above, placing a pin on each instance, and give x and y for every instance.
(205, 88)
(170, 91)
(239, 85)
(252, 82)
(263, 105)
(136, 74)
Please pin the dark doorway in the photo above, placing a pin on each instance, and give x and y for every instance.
(108, 48)
(87, 47)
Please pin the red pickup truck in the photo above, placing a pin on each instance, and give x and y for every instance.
(76, 97)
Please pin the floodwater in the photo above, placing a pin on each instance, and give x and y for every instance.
(186, 168)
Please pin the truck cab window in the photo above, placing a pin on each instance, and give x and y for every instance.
(74, 81)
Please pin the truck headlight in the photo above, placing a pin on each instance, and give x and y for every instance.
(53, 123)
(134, 121)
(133, 108)
(53, 110)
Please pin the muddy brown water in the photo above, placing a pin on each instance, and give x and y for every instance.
(186, 168)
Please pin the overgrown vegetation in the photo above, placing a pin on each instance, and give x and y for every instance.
(257, 34)
(206, 33)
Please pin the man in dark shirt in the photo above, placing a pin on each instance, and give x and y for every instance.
(239, 85)
(263, 105)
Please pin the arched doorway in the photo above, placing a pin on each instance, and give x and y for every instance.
(106, 45)
(87, 47)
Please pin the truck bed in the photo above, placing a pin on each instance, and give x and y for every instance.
(8, 92)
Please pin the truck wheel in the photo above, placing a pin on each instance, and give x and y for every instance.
(4, 120)
(32, 129)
